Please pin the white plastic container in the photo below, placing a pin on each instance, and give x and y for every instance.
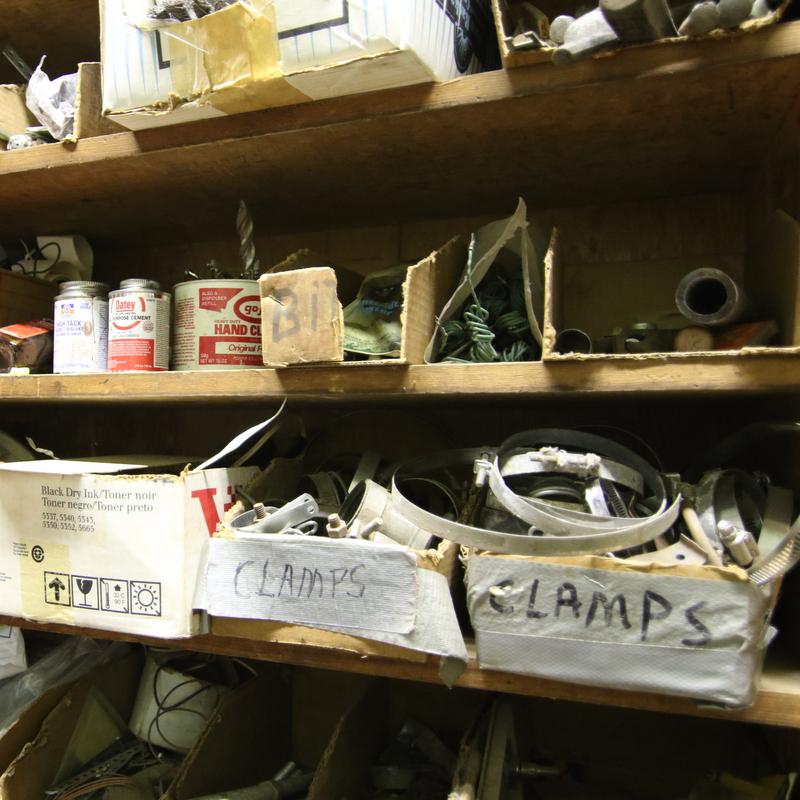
(138, 327)
(217, 325)
(80, 328)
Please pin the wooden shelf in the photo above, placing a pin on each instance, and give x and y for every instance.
(778, 702)
(658, 120)
(748, 374)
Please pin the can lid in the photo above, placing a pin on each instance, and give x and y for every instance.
(89, 287)
(139, 283)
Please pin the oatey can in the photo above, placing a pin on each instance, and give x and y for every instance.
(80, 328)
(138, 327)
(217, 325)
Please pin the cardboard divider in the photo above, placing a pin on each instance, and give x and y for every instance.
(36, 766)
(14, 114)
(427, 287)
(262, 725)
(596, 295)
(24, 299)
(369, 727)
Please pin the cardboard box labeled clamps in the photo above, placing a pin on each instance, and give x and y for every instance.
(694, 631)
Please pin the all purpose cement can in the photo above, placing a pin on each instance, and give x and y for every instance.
(80, 328)
(217, 325)
(138, 327)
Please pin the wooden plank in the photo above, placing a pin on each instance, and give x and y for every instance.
(680, 119)
(778, 702)
(752, 374)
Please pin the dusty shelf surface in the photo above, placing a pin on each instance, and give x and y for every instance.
(648, 121)
(750, 374)
(778, 701)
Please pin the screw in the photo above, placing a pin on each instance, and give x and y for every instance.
(260, 511)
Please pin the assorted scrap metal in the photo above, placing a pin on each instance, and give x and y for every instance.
(554, 492)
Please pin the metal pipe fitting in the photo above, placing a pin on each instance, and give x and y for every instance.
(710, 297)
(573, 340)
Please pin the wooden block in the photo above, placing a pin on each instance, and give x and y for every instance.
(301, 317)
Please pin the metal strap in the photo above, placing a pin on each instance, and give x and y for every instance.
(514, 543)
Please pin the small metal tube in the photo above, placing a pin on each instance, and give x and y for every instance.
(710, 297)
(573, 340)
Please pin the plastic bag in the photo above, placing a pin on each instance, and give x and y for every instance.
(63, 664)
(53, 102)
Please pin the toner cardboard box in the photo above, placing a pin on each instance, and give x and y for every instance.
(262, 54)
(694, 631)
(85, 544)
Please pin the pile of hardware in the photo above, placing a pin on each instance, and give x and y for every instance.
(619, 22)
(559, 492)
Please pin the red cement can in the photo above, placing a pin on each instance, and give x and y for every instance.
(138, 327)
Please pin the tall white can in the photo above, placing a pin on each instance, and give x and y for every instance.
(138, 327)
(217, 325)
(80, 328)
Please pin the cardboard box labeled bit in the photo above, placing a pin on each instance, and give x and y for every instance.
(260, 54)
(693, 631)
(84, 544)
(302, 319)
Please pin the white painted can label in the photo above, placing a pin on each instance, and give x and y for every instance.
(217, 325)
(80, 335)
(138, 332)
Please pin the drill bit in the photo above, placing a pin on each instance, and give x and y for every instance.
(247, 248)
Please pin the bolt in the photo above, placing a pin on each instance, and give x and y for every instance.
(336, 527)
(260, 511)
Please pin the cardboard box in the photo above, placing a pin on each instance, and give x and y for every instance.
(435, 630)
(257, 55)
(512, 57)
(34, 769)
(85, 544)
(694, 631)
(304, 324)
(586, 295)
(260, 726)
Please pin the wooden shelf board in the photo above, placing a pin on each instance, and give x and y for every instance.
(649, 121)
(778, 702)
(748, 374)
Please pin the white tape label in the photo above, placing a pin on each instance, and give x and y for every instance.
(344, 584)
(607, 606)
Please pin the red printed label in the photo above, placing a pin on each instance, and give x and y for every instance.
(230, 351)
(248, 309)
(216, 299)
(132, 354)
